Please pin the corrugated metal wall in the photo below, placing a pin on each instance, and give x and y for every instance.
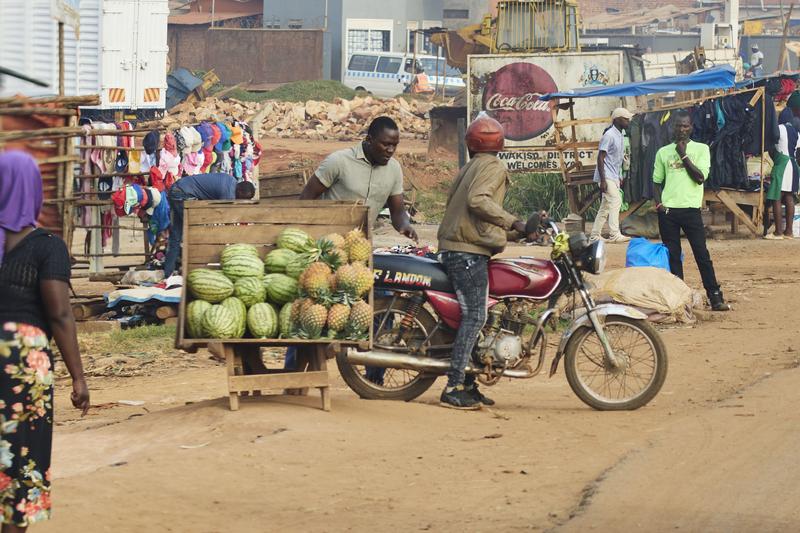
(29, 45)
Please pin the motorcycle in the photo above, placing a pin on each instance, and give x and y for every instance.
(613, 358)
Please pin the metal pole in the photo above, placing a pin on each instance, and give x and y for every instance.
(60, 59)
(213, 11)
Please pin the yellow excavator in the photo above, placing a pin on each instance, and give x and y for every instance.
(514, 26)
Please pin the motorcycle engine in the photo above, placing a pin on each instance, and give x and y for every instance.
(501, 348)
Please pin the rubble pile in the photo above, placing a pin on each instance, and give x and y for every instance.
(210, 109)
(343, 119)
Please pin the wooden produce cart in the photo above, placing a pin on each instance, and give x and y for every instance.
(209, 226)
(284, 184)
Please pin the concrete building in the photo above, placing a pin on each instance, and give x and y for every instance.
(459, 13)
(357, 25)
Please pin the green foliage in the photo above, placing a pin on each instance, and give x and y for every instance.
(153, 336)
(535, 191)
(298, 91)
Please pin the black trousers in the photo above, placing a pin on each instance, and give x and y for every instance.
(670, 224)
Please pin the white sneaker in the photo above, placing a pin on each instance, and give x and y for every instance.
(594, 238)
(619, 238)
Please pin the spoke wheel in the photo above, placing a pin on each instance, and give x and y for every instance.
(642, 367)
(392, 383)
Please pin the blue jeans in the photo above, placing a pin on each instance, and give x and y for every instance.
(176, 198)
(374, 374)
(469, 274)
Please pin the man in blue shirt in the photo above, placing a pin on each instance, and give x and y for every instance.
(216, 186)
(608, 175)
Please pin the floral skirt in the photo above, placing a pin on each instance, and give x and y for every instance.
(26, 423)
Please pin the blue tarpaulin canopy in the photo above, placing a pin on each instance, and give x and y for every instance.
(721, 77)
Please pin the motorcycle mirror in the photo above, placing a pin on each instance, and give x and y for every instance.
(554, 227)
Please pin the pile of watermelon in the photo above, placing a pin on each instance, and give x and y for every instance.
(304, 288)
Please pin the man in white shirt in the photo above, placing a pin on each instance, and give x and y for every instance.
(757, 62)
(608, 176)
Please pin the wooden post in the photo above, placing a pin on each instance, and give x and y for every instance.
(60, 59)
(96, 241)
(784, 56)
(461, 125)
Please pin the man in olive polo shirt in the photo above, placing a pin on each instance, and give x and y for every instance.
(679, 172)
(366, 172)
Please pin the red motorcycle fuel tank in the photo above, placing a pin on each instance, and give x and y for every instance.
(447, 307)
(524, 277)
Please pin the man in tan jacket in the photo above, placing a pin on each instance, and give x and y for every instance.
(474, 228)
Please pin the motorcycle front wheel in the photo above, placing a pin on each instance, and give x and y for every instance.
(640, 376)
(391, 383)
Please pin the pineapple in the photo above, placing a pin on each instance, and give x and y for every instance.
(359, 250)
(330, 255)
(313, 319)
(360, 317)
(364, 279)
(336, 239)
(338, 317)
(347, 279)
(352, 236)
(315, 281)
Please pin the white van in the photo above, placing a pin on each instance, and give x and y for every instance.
(388, 74)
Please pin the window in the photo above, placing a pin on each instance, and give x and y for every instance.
(389, 65)
(363, 63)
(368, 40)
(456, 13)
(412, 44)
(434, 68)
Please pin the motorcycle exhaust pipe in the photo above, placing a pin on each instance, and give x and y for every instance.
(422, 364)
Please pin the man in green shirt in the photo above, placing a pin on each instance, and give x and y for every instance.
(679, 172)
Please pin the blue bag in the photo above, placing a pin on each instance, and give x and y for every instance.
(642, 252)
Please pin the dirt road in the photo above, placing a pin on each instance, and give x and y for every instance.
(716, 451)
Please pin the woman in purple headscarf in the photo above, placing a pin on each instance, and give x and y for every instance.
(34, 306)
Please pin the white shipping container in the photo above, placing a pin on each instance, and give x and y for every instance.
(120, 52)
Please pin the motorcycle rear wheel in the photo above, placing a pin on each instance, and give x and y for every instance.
(402, 385)
(644, 370)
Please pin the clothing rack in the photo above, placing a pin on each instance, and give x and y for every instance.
(48, 129)
(577, 177)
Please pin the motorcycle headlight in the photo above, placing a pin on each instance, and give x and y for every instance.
(594, 257)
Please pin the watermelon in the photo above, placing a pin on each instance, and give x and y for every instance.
(194, 318)
(296, 240)
(285, 321)
(238, 249)
(262, 321)
(243, 266)
(277, 259)
(209, 285)
(238, 308)
(250, 290)
(281, 288)
(219, 322)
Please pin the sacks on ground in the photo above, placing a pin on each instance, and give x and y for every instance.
(641, 224)
(657, 293)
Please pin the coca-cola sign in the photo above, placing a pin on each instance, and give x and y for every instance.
(511, 96)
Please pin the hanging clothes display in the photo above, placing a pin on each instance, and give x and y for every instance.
(729, 125)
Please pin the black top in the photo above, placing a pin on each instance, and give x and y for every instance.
(39, 256)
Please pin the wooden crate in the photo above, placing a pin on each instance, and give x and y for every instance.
(209, 226)
(285, 184)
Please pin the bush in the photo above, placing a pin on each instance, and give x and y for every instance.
(531, 192)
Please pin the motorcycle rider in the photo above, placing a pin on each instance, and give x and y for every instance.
(473, 229)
